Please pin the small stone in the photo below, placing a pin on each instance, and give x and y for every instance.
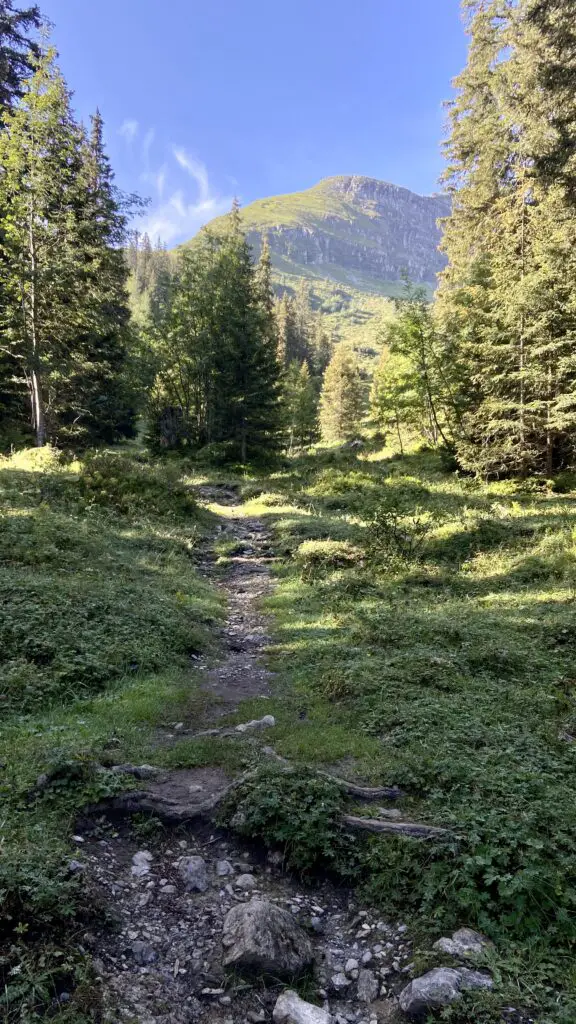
(268, 722)
(368, 987)
(339, 982)
(224, 868)
(463, 944)
(245, 882)
(78, 839)
(256, 1016)
(76, 867)
(141, 863)
(316, 924)
(366, 957)
(290, 1009)
(225, 1001)
(351, 965)
(193, 871)
(143, 953)
(168, 890)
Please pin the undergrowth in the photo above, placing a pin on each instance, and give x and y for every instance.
(103, 616)
(440, 658)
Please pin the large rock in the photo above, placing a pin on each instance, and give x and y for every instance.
(263, 939)
(290, 1009)
(464, 943)
(439, 988)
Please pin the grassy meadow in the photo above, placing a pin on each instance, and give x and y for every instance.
(423, 636)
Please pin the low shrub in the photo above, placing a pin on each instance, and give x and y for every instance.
(317, 558)
(299, 813)
(128, 486)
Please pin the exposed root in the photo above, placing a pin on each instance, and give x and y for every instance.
(413, 829)
(351, 788)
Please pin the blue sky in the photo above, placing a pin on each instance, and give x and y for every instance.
(207, 99)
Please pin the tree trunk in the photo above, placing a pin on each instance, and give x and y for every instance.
(35, 386)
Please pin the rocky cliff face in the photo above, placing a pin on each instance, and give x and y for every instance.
(352, 229)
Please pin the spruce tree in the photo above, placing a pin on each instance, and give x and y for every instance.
(500, 298)
(41, 270)
(301, 399)
(219, 379)
(343, 398)
(18, 50)
(98, 400)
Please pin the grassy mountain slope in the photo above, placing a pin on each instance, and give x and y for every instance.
(352, 238)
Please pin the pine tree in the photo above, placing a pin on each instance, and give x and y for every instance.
(499, 296)
(219, 382)
(394, 398)
(17, 50)
(301, 405)
(95, 401)
(40, 268)
(343, 399)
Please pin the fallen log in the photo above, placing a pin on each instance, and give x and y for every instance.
(414, 829)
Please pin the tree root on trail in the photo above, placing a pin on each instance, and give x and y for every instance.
(415, 830)
(178, 811)
(170, 811)
(351, 788)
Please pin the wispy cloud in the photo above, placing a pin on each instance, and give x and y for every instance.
(129, 130)
(147, 145)
(180, 216)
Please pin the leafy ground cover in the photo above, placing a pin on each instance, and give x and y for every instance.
(425, 637)
(103, 612)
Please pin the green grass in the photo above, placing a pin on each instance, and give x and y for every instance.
(449, 670)
(103, 613)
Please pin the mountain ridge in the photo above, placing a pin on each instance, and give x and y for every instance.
(353, 239)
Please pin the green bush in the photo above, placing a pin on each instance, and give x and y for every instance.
(128, 486)
(316, 558)
(299, 813)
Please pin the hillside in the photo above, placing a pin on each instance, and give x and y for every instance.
(353, 238)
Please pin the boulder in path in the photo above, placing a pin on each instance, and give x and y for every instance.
(261, 938)
(439, 988)
(290, 1009)
(464, 943)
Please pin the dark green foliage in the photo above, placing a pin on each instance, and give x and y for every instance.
(64, 311)
(16, 47)
(507, 296)
(298, 813)
(219, 378)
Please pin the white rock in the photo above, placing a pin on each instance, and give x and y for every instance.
(141, 863)
(464, 943)
(366, 957)
(339, 982)
(351, 965)
(290, 1009)
(193, 871)
(224, 868)
(368, 987)
(268, 722)
(439, 988)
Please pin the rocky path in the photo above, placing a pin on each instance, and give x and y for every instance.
(184, 899)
